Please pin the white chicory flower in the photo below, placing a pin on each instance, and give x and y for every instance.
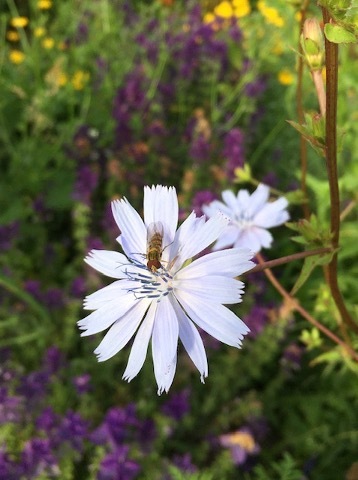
(159, 294)
(251, 216)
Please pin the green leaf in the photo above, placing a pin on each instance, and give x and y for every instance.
(309, 265)
(338, 34)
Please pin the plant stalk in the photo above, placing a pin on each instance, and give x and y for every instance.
(331, 163)
(296, 306)
(300, 113)
(288, 258)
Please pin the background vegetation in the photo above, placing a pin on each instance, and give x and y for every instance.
(99, 98)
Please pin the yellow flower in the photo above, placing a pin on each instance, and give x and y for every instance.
(12, 36)
(19, 22)
(44, 4)
(62, 79)
(285, 77)
(79, 79)
(239, 438)
(209, 18)
(241, 7)
(277, 49)
(16, 56)
(271, 14)
(224, 10)
(39, 32)
(48, 43)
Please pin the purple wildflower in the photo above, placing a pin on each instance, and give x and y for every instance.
(233, 151)
(82, 383)
(256, 320)
(117, 466)
(7, 235)
(256, 88)
(74, 430)
(200, 149)
(86, 182)
(10, 407)
(47, 421)
(130, 100)
(33, 287)
(184, 463)
(78, 287)
(116, 427)
(177, 405)
(8, 469)
(94, 243)
(201, 198)
(53, 298)
(37, 459)
(34, 386)
(53, 360)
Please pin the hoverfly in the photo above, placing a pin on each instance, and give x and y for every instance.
(155, 234)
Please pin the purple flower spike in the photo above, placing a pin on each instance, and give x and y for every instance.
(117, 466)
(177, 405)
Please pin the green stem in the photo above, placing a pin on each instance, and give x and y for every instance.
(26, 298)
(331, 163)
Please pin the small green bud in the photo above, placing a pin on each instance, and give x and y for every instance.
(312, 42)
(243, 175)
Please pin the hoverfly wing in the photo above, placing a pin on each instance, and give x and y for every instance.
(154, 229)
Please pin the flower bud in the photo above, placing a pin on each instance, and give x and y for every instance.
(312, 43)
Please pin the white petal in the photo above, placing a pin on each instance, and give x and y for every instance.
(133, 231)
(122, 331)
(107, 294)
(112, 264)
(272, 214)
(161, 205)
(243, 198)
(165, 344)
(140, 344)
(259, 197)
(231, 263)
(217, 320)
(249, 238)
(231, 200)
(106, 315)
(264, 236)
(216, 206)
(227, 239)
(192, 341)
(186, 230)
(212, 288)
(204, 236)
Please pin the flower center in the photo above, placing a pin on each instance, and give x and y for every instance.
(244, 219)
(151, 284)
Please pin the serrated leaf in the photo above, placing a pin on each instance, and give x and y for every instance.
(338, 34)
(309, 264)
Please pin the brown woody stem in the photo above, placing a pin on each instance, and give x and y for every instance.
(288, 258)
(331, 163)
(296, 306)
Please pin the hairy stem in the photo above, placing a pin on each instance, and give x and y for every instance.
(331, 163)
(296, 306)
